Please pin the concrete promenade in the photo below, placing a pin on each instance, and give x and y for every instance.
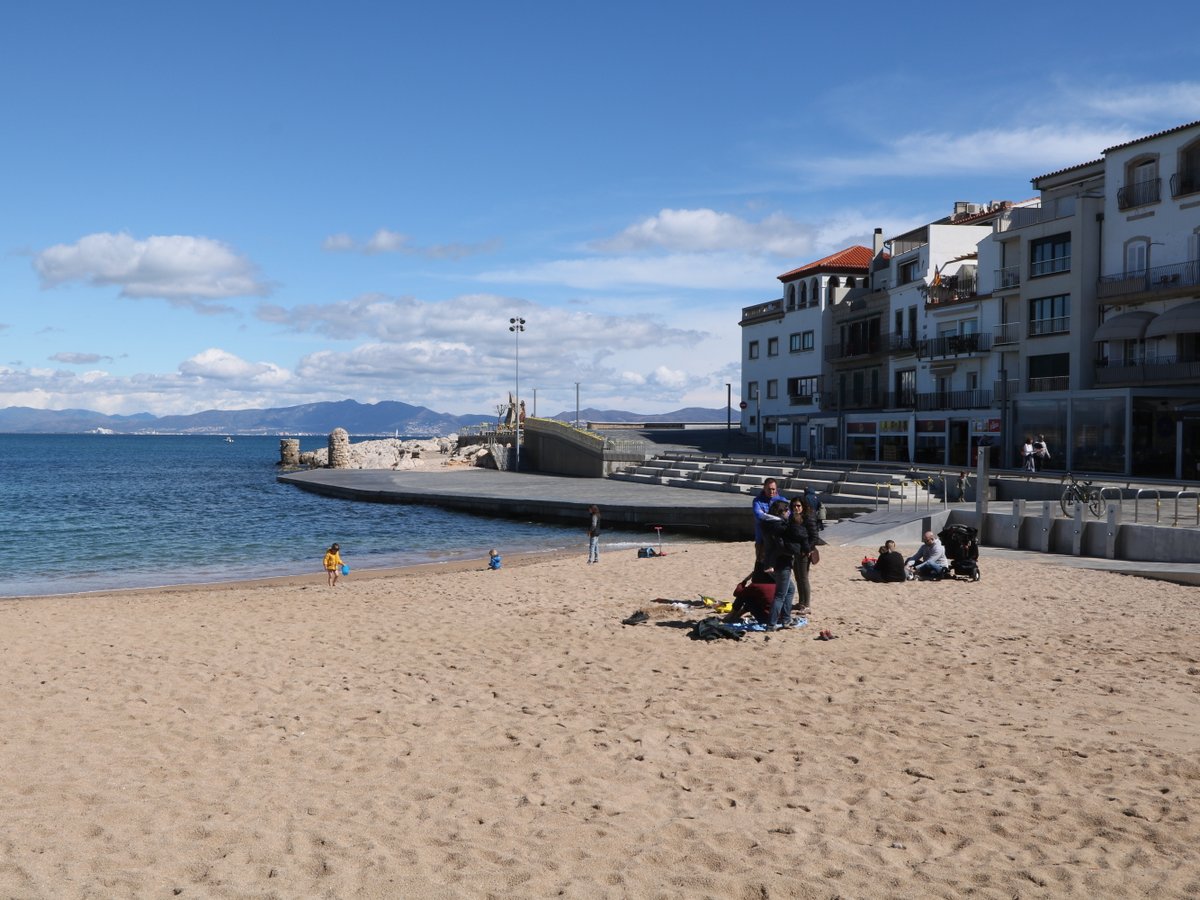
(547, 498)
(721, 516)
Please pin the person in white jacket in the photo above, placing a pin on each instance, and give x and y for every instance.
(930, 560)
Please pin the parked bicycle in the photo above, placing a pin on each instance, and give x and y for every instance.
(1081, 492)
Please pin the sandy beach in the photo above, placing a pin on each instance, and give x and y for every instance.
(454, 732)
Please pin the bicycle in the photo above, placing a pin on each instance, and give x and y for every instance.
(1081, 492)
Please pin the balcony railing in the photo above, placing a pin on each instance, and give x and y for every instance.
(1005, 390)
(1008, 278)
(1055, 325)
(953, 289)
(1008, 333)
(800, 399)
(902, 343)
(973, 399)
(1161, 370)
(1139, 193)
(1026, 216)
(1050, 383)
(1184, 183)
(1173, 279)
(858, 347)
(1050, 266)
(954, 345)
(865, 399)
(762, 312)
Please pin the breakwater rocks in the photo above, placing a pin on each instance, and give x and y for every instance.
(386, 453)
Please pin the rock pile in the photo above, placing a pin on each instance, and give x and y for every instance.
(389, 453)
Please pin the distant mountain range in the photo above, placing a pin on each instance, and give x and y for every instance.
(387, 417)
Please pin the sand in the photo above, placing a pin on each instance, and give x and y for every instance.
(454, 732)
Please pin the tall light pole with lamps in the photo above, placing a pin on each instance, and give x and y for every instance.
(516, 325)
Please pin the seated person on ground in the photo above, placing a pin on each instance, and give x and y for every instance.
(930, 561)
(754, 595)
(889, 567)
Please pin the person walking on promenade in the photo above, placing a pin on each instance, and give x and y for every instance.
(1027, 458)
(333, 564)
(761, 505)
(594, 534)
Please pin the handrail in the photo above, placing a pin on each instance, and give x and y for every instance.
(1183, 493)
(1157, 503)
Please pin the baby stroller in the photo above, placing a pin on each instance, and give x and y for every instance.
(962, 547)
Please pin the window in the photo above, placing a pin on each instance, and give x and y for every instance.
(1135, 256)
(772, 389)
(790, 294)
(801, 340)
(906, 387)
(1050, 315)
(802, 387)
(772, 346)
(804, 293)
(814, 293)
(1187, 179)
(910, 271)
(752, 390)
(753, 350)
(1050, 255)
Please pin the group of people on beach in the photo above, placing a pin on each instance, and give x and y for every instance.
(786, 538)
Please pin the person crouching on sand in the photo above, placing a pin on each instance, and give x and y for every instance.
(333, 564)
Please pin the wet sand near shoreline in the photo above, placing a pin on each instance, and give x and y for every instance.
(446, 731)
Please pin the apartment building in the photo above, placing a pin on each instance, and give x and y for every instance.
(1074, 315)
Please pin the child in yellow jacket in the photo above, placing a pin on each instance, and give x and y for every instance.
(333, 564)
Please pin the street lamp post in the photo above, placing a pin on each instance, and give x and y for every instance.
(728, 419)
(516, 326)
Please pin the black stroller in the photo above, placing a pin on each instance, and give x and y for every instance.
(962, 547)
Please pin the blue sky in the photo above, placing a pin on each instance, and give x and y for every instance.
(237, 205)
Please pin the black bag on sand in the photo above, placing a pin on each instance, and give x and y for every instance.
(712, 629)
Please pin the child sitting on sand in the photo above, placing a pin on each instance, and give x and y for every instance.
(333, 564)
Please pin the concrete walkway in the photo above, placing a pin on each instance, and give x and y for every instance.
(719, 515)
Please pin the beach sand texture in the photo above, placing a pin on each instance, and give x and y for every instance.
(454, 732)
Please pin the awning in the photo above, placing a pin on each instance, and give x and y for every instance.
(1182, 319)
(1126, 327)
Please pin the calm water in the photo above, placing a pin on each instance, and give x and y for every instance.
(92, 512)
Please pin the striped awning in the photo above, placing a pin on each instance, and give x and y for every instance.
(1182, 319)
(1129, 326)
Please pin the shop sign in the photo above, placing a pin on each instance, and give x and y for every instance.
(931, 426)
(893, 425)
(860, 428)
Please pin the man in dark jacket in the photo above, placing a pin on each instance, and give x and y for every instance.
(889, 567)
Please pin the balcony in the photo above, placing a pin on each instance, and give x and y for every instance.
(902, 343)
(1184, 183)
(1008, 333)
(854, 400)
(1160, 370)
(800, 399)
(1140, 193)
(953, 289)
(858, 348)
(954, 345)
(1159, 283)
(973, 399)
(1008, 278)
(762, 312)
(1028, 216)
(1049, 383)
(1005, 390)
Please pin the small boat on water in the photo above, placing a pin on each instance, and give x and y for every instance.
(228, 439)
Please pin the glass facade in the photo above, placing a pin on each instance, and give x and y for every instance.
(1098, 435)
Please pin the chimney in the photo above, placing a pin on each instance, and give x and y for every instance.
(878, 246)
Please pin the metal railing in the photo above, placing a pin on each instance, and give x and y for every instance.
(1184, 183)
(1050, 383)
(1162, 369)
(1175, 277)
(954, 345)
(1139, 193)
(1053, 325)
(1050, 266)
(1008, 333)
(967, 399)
(1007, 278)
(854, 347)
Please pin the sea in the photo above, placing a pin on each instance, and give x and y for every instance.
(92, 512)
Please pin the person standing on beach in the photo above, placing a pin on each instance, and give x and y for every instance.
(777, 554)
(801, 538)
(594, 534)
(762, 503)
(333, 564)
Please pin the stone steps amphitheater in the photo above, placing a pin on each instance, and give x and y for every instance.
(843, 490)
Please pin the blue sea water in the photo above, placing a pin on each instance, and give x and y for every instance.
(97, 512)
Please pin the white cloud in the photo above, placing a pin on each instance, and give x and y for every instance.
(172, 267)
(698, 271)
(79, 359)
(218, 365)
(387, 241)
(706, 231)
(1168, 104)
